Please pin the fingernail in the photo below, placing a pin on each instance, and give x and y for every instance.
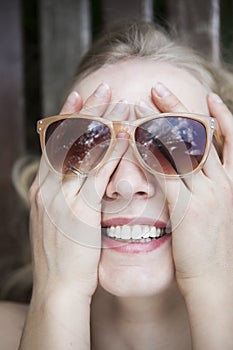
(72, 98)
(143, 107)
(101, 91)
(215, 98)
(121, 106)
(161, 90)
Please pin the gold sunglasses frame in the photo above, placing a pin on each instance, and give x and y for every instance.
(129, 127)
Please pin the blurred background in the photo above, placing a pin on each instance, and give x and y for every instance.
(41, 43)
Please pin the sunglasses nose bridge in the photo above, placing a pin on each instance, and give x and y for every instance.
(121, 127)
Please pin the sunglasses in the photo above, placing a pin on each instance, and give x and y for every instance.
(170, 144)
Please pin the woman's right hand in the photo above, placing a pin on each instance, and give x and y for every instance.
(65, 229)
(65, 220)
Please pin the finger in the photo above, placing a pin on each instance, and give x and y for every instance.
(213, 168)
(164, 164)
(71, 216)
(177, 197)
(34, 192)
(219, 110)
(165, 100)
(71, 185)
(90, 195)
(93, 187)
(142, 109)
(119, 112)
(48, 188)
(73, 182)
(42, 172)
(97, 103)
(72, 104)
(46, 170)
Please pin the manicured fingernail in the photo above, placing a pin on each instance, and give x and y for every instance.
(161, 90)
(215, 98)
(121, 106)
(143, 107)
(101, 90)
(72, 98)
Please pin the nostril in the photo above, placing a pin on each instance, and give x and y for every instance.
(141, 193)
(121, 188)
(114, 195)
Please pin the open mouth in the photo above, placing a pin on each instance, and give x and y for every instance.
(135, 233)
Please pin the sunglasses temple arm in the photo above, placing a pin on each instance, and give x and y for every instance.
(218, 141)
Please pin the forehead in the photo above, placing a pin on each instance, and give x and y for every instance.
(133, 79)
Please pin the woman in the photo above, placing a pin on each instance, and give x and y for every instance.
(124, 254)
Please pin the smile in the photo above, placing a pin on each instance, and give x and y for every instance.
(135, 233)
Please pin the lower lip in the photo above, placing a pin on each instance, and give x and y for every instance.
(134, 248)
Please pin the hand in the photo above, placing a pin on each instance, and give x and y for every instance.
(201, 209)
(66, 216)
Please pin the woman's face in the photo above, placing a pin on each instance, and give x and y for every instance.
(133, 197)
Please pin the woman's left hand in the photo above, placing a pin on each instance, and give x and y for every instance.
(201, 209)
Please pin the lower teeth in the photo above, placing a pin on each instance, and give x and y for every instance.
(142, 240)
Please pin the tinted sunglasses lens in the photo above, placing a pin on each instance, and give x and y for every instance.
(76, 143)
(171, 145)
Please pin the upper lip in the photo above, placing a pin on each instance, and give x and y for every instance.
(133, 221)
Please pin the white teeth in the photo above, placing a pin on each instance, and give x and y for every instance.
(111, 231)
(118, 232)
(153, 232)
(146, 232)
(125, 232)
(136, 232)
(158, 232)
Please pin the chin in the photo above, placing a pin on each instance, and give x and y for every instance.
(138, 275)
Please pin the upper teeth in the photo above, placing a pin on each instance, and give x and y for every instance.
(135, 232)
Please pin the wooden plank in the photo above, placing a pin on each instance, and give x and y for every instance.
(65, 35)
(32, 79)
(114, 12)
(12, 216)
(198, 23)
(226, 10)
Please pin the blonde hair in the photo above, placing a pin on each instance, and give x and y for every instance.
(132, 40)
(148, 41)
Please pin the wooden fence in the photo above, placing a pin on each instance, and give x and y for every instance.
(41, 42)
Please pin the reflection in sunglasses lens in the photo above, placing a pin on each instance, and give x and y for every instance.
(171, 145)
(76, 143)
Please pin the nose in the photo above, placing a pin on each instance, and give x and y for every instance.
(130, 180)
